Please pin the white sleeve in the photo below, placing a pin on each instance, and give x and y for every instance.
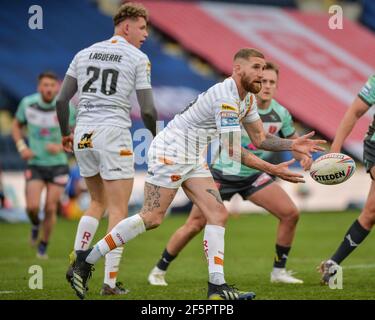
(226, 116)
(72, 70)
(253, 114)
(143, 74)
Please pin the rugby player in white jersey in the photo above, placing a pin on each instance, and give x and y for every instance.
(105, 74)
(251, 184)
(174, 160)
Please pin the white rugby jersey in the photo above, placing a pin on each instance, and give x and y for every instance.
(107, 73)
(218, 110)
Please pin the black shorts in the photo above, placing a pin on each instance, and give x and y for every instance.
(229, 185)
(369, 155)
(58, 175)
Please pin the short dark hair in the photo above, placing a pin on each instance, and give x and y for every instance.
(48, 74)
(272, 66)
(130, 10)
(247, 53)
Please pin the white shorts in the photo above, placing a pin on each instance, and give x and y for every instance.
(104, 150)
(171, 175)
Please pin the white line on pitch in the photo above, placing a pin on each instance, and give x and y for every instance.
(360, 266)
(5, 292)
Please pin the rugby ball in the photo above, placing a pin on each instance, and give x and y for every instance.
(332, 168)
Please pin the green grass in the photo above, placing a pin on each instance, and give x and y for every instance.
(249, 254)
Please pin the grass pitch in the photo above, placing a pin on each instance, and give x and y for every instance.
(249, 254)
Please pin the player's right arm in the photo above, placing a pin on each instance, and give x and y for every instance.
(360, 105)
(17, 132)
(68, 89)
(356, 111)
(229, 141)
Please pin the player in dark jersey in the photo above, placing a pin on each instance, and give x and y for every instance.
(47, 164)
(362, 226)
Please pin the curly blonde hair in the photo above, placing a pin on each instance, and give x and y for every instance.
(130, 10)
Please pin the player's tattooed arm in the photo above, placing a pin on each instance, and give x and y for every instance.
(240, 154)
(148, 110)
(216, 194)
(267, 141)
(274, 143)
(68, 89)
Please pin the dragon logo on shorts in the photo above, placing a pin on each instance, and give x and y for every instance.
(86, 141)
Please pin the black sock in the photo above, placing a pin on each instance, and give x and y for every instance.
(281, 256)
(165, 260)
(355, 235)
(34, 219)
(42, 247)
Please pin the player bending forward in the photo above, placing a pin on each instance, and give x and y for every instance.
(254, 185)
(175, 160)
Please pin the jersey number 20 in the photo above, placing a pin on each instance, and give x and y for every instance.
(104, 87)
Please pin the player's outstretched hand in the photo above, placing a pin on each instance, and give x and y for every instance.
(67, 142)
(281, 170)
(306, 146)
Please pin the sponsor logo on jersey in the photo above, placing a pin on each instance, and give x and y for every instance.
(44, 132)
(227, 107)
(229, 119)
(86, 141)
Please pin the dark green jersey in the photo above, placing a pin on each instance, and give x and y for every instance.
(276, 120)
(42, 129)
(367, 94)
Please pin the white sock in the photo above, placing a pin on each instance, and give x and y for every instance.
(85, 232)
(213, 242)
(123, 232)
(112, 262)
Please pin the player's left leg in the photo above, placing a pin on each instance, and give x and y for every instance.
(203, 192)
(54, 193)
(33, 192)
(193, 225)
(275, 200)
(118, 195)
(357, 232)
